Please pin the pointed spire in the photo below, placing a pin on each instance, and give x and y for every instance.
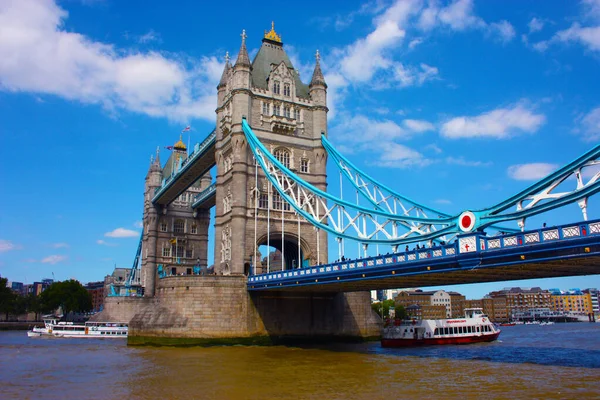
(223, 81)
(155, 161)
(317, 77)
(243, 58)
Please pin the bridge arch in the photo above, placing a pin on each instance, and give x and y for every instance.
(290, 251)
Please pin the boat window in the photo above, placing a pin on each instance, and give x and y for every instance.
(436, 332)
(470, 329)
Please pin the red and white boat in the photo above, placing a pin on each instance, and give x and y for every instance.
(475, 327)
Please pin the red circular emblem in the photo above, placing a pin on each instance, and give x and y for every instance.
(466, 221)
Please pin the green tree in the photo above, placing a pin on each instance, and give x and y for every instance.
(378, 307)
(7, 299)
(33, 305)
(69, 295)
(401, 312)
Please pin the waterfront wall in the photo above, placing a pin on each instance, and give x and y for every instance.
(219, 310)
(120, 309)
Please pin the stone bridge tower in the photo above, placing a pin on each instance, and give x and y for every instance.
(288, 117)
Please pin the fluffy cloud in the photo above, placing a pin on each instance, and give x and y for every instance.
(466, 163)
(7, 245)
(499, 123)
(138, 224)
(104, 243)
(590, 126)
(531, 172)
(39, 55)
(416, 125)
(413, 76)
(535, 25)
(587, 36)
(122, 233)
(54, 259)
(459, 16)
(378, 137)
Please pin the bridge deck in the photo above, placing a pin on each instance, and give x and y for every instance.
(578, 254)
(206, 199)
(194, 167)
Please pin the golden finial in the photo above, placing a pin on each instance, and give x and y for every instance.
(180, 145)
(272, 35)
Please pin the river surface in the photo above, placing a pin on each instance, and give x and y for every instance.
(561, 361)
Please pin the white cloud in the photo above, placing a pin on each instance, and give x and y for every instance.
(504, 31)
(38, 54)
(149, 36)
(54, 259)
(414, 43)
(378, 138)
(7, 245)
(61, 245)
(416, 125)
(367, 56)
(122, 233)
(434, 148)
(411, 76)
(442, 201)
(586, 36)
(499, 123)
(531, 172)
(466, 163)
(395, 155)
(590, 126)
(138, 224)
(535, 25)
(459, 16)
(104, 243)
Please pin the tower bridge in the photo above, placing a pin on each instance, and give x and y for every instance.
(270, 150)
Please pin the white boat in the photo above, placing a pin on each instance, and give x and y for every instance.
(473, 328)
(54, 328)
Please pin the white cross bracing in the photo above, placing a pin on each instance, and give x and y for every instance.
(345, 220)
(584, 177)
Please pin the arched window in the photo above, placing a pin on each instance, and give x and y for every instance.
(276, 87)
(286, 90)
(283, 156)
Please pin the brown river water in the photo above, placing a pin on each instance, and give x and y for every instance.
(561, 361)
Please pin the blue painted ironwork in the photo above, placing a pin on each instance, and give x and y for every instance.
(380, 195)
(201, 197)
(199, 151)
(133, 275)
(359, 223)
(488, 252)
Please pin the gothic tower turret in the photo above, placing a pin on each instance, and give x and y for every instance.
(150, 225)
(288, 117)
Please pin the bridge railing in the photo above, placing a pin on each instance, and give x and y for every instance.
(199, 149)
(203, 195)
(450, 251)
(543, 235)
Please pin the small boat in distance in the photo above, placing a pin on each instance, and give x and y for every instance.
(475, 327)
(53, 328)
(508, 324)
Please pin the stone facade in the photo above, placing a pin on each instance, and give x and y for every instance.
(289, 117)
(175, 236)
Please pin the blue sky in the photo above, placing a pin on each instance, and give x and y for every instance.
(456, 104)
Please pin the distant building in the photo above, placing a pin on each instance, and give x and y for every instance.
(426, 311)
(572, 300)
(494, 308)
(456, 306)
(96, 290)
(17, 287)
(522, 299)
(425, 298)
(594, 299)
